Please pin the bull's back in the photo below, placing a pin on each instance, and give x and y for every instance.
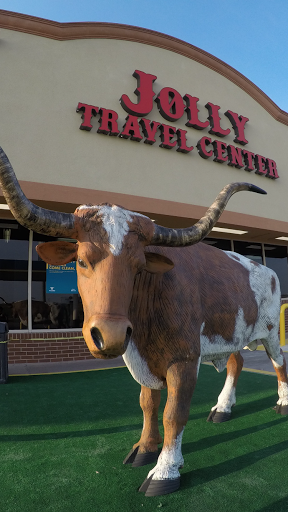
(207, 292)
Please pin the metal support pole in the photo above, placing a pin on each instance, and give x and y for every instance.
(30, 249)
(263, 255)
(3, 352)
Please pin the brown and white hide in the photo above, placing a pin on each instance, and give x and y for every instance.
(166, 303)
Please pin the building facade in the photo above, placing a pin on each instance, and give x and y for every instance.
(186, 125)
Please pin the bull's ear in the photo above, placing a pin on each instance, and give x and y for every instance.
(57, 253)
(157, 264)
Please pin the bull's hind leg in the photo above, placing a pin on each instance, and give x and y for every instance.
(227, 398)
(146, 450)
(276, 355)
(164, 478)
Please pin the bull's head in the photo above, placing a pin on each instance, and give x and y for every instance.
(109, 253)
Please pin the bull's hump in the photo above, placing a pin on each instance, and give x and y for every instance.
(115, 221)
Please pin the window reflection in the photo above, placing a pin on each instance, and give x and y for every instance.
(65, 308)
(223, 244)
(276, 258)
(13, 274)
(251, 250)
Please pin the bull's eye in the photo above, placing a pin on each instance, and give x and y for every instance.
(81, 263)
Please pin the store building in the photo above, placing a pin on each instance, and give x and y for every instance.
(186, 125)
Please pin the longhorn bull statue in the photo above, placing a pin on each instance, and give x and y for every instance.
(165, 302)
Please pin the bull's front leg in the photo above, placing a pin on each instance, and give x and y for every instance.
(222, 410)
(146, 450)
(164, 478)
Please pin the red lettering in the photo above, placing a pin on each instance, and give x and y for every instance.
(272, 168)
(145, 93)
(235, 157)
(192, 113)
(131, 129)
(215, 119)
(170, 104)
(201, 146)
(248, 159)
(260, 164)
(108, 122)
(89, 111)
(182, 142)
(238, 123)
(167, 133)
(149, 130)
(219, 150)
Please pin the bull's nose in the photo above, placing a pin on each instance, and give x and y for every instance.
(110, 335)
(97, 338)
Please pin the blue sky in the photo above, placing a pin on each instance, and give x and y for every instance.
(251, 36)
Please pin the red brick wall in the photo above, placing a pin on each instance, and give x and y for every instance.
(46, 347)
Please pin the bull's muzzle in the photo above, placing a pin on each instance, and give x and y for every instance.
(107, 337)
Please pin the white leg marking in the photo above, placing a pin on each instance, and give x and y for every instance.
(169, 461)
(283, 393)
(227, 397)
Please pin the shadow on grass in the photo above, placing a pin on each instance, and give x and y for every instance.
(276, 506)
(198, 445)
(66, 435)
(208, 474)
(214, 440)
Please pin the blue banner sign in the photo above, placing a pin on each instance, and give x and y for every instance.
(61, 278)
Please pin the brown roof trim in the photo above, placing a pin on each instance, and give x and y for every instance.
(39, 192)
(90, 30)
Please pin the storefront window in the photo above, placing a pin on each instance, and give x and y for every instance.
(56, 303)
(223, 244)
(54, 291)
(276, 258)
(250, 250)
(14, 240)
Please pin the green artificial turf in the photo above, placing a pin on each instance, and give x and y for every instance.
(63, 439)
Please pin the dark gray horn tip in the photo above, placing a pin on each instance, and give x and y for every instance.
(258, 190)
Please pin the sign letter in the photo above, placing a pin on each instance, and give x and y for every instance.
(88, 112)
(248, 156)
(145, 93)
(201, 146)
(219, 150)
(182, 142)
(273, 174)
(131, 129)
(192, 113)
(108, 122)
(215, 119)
(167, 133)
(170, 104)
(238, 123)
(149, 130)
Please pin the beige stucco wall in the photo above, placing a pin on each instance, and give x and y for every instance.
(42, 81)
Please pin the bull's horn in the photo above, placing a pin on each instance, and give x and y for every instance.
(47, 222)
(190, 236)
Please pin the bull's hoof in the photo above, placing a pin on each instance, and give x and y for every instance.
(159, 487)
(140, 459)
(281, 409)
(219, 417)
(131, 456)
